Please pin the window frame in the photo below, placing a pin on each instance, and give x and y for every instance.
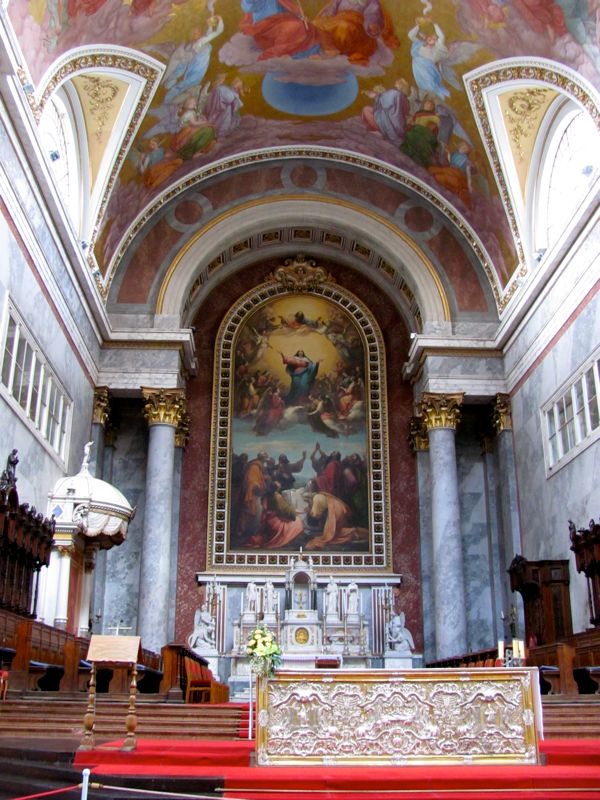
(41, 381)
(570, 419)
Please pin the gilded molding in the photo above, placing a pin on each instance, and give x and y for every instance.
(300, 274)
(163, 406)
(478, 87)
(418, 438)
(101, 93)
(502, 413)
(101, 408)
(440, 410)
(522, 115)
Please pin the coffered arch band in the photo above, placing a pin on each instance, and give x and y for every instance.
(384, 238)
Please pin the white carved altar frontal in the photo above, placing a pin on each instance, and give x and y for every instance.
(399, 717)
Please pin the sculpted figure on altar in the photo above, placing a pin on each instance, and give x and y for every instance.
(204, 629)
(270, 601)
(399, 637)
(251, 596)
(331, 597)
(352, 599)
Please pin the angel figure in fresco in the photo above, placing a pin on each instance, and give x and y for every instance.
(354, 28)
(432, 60)
(189, 62)
(279, 28)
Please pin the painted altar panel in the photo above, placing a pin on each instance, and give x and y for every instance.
(299, 459)
(427, 716)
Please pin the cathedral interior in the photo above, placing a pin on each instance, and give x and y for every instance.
(319, 281)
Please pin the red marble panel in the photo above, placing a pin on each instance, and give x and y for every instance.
(141, 271)
(196, 464)
(460, 272)
(360, 187)
(418, 219)
(236, 186)
(188, 212)
(303, 176)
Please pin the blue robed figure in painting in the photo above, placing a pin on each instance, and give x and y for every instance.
(302, 371)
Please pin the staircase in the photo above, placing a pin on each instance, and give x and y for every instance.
(38, 715)
(571, 716)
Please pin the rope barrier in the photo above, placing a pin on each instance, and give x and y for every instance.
(151, 792)
(48, 793)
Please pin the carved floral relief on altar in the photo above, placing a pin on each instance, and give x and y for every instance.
(298, 458)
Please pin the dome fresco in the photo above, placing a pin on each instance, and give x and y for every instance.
(378, 83)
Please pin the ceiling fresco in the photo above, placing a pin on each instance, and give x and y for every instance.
(378, 79)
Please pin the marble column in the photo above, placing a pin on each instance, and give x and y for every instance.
(97, 578)
(87, 579)
(440, 413)
(163, 409)
(61, 612)
(508, 495)
(419, 443)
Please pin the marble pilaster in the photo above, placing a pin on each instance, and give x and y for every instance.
(440, 414)
(508, 494)
(419, 443)
(98, 468)
(498, 568)
(163, 410)
(181, 439)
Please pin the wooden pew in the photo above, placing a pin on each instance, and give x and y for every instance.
(187, 676)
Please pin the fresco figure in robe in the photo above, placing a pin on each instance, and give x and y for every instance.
(353, 28)
(189, 62)
(279, 28)
(303, 372)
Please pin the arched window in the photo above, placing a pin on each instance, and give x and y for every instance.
(57, 134)
(569, 168)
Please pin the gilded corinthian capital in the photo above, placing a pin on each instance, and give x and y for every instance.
(101, 405)
(502, 415)
(163, 406)
(440, 410)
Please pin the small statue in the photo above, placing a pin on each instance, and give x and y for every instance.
(251, 596)
(204, 629)
(8, 477)
(352, 598)
(270, 601)
(331, 597)
(399, 637)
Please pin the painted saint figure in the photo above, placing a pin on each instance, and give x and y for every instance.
(279, 28)
(302, 371)
(353, 28)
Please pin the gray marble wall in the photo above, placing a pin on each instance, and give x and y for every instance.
(129, 475)
(571, 492)
(33, 274)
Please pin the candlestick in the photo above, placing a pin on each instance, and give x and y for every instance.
(501, 649)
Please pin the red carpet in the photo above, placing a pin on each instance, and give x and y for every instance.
(572, 770)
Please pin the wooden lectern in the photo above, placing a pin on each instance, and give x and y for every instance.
(112, 651)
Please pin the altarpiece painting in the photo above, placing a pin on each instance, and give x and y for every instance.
(299, 436)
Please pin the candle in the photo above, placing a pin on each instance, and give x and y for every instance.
(501, 649)
(515, 649)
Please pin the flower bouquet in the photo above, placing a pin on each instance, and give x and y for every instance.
(264, 652)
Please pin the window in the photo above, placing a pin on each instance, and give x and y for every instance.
(573, 417)
(569, 168)
(30, 381)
